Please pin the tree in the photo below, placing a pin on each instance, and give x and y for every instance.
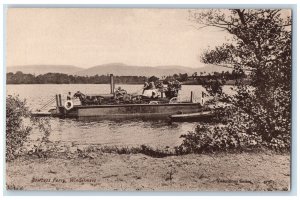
(59, 78)
(182, 77)
(261, 48)
(153, 78)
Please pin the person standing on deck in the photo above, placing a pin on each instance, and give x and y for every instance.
(146, 86)
(69, 96)
(152, 85)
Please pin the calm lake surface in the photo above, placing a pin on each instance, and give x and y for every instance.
(121, 133)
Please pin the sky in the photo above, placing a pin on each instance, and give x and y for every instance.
(88, 37)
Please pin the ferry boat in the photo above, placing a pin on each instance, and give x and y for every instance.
(123, 106)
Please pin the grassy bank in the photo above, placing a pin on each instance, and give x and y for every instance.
(139, 172)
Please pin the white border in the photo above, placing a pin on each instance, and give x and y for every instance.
(147, 3)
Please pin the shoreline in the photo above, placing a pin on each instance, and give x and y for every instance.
(138, 172)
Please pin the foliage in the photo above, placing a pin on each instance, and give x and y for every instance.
(17, 132)
(213, 83)
(231, 138)
(204, 79)
(261, 48)
(156, 153)
(179, 77)
(59, 78)
(55, 150)
(142, 149)
(153, 79)
(212, 139)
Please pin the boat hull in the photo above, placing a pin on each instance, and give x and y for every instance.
(206, 116)
(129, 111)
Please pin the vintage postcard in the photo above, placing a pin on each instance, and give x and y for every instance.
(140, 99)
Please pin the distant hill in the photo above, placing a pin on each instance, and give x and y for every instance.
(118, 69)
(43, 69)
(121, 69)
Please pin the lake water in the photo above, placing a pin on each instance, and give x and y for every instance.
(121, 133)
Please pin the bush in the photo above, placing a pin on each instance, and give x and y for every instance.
(227, 138)
(208, 139)
(16, 131)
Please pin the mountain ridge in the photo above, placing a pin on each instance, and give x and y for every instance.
(43, 69)
(118, 69)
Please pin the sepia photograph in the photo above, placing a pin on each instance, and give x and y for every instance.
(148, 99)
